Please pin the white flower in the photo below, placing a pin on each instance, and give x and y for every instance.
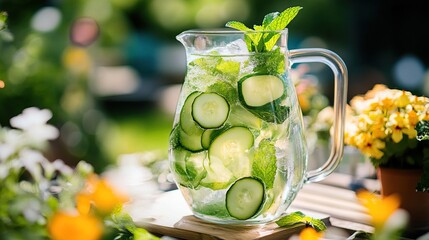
(62, 167)
(34, 123)
(6, 150)
(31, 160)
(32, 211)
(12, 142)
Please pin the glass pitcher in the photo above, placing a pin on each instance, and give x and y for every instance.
(237, 150)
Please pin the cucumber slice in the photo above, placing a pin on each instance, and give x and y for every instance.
(240, 116)
(191, 142)
(210, 110)
(264, 95)
(258, 90)
(210, 134)
(186, 120)
(231, 145)
(218, 176)
(245, 197)
(188, 167)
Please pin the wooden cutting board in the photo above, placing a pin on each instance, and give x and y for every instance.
(170, 215)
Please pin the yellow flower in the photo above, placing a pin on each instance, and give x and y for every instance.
(403, 100)
(380, 209)
(310, 234)
(413, 119)
(369, 145)
(101, 194)
(399, 126)
(70, 226)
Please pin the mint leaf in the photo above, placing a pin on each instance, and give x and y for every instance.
(264, 164)
(126, 227)
(230, 69)
(238, 25)
(269, 18)
(299, 217)
(280, 22)
(225, 89)
(269, 63)
(217, 66)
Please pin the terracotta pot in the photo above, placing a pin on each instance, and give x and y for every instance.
(403, 182)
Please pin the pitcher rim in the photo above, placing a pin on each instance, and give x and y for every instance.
(221, 31)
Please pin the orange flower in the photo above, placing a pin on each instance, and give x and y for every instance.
(380, 209)
(69, 226)
(310, 234)
(99, 193)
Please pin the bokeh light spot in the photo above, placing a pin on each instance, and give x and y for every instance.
(84, 32)
(171, 14)
(46, 19)
(409, 72)
(2, 84)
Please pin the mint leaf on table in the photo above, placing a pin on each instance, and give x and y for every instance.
(299, 217)
(264, 164)
(265, 39)
(126, 228)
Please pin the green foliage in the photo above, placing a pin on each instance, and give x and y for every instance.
(3, 18)
(299, 217)
(422, 129)
(423, 185)
(264, 164)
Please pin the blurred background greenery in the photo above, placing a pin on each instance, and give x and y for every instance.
(109, 69)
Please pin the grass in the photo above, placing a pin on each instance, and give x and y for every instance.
(135, 132)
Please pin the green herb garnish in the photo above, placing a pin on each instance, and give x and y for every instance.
(126, 228)
(299, 217)
(262, 38)
(264, 163)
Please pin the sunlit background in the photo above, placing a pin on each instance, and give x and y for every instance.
(110, 69)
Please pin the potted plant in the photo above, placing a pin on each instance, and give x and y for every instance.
(390, 127)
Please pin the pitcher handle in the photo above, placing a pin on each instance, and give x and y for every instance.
(340, 96)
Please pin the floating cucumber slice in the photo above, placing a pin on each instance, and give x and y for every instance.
(245, 197)
(188, 167)
(187, 122)
(218, 176)
(191, 142)
(210, 110)
(231, 145)
(263, 96)
(258, 90)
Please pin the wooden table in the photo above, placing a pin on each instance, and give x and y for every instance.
(328, 200)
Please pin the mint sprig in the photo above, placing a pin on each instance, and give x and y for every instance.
(264, 163)
(299, 217)
(262, 38)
